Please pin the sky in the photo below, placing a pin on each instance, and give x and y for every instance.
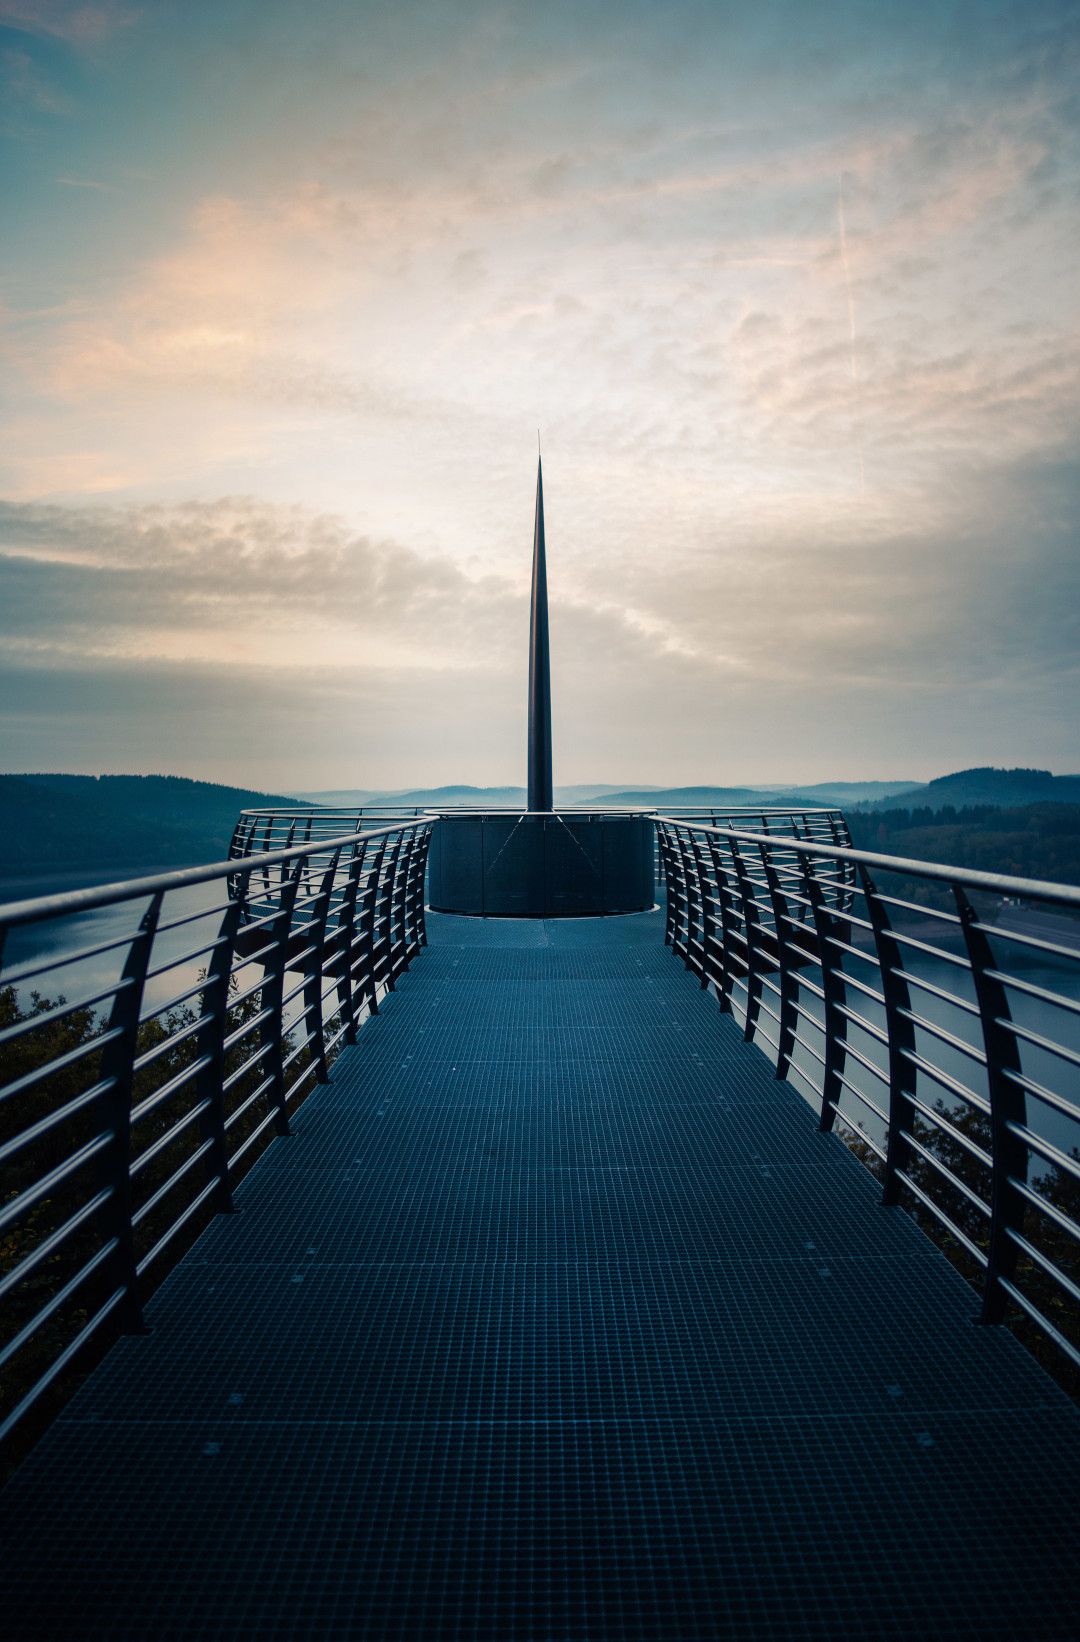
(791, 292)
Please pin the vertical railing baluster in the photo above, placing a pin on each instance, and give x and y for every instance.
(834, 1026)
(402, 901)
(271, 995)
(210, 1038)
(315, 933)
(346, 922)
(789, 987)
(726, 978)
(693, 899)
(369, 906)
(421, 912)
(665, 847)
(118, 1077)
(1008, 1106)
(384, 934)
(901, 1035)
(757, 964)
(708, 913)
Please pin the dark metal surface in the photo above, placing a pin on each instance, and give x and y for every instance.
(915, 1005)
(540, 790)
(140, 1075)
(535, 865)
(557, 1318)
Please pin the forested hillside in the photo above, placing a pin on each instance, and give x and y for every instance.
(84, 824)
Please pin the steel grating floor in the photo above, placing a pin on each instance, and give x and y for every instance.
(557, 1318)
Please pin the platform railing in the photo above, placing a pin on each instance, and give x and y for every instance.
(282, 826)
(933, 1015)
(154, 1036)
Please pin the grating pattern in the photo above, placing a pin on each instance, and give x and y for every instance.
(556, 1318)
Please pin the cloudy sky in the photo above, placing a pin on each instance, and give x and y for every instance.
(790, 289)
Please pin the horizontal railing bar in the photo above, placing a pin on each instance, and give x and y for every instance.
(951, 1227)
(946, 1080)
(33, 1023)
(860, 1094)
(997, 883)
(943, 1035)
(935, 991)
(1037, 1041)
(1044, 1262)
(140, 1214)
(57, 1367)
(1045, 1149)
(1048, 1097)
(853, 1125)
(48, 1245)
(245, 1105)
(1019, 1298)
(957, 1136)
(156, 1147)
(1031, 942)
(167, 1236)
(26, 1137)
(15, 1207)
(1044, 1206)
(168, 1089)
(1057, 1000)
(56, 1301)
(49, 1068)
(946, 1173)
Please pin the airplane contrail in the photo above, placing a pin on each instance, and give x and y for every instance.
(855, 390)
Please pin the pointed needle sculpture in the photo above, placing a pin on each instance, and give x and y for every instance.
(540, 789)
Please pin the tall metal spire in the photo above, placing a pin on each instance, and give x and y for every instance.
(540, 788)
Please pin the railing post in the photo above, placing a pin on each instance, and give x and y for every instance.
(118, 1075)
(789, 994)
(901, 1034)
(403, 902)
(384, 938)
(727, 954)
(751, 918)
(665, 848)
(705, 907)
(272, 991)
(313, 977)
(835, 1023)
(346, 921)
(369, 903)
(417, 937)
(1008, 1106)
(694, 900)
(213, 1029)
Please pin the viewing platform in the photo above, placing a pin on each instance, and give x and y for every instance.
(556, 1315)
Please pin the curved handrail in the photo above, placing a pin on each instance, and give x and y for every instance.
(926, 1030)
(167, 1057)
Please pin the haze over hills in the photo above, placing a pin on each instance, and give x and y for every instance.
(59, 830)
(495, 796)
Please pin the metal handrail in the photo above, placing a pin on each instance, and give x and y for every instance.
(817, 962)
(129, 1110)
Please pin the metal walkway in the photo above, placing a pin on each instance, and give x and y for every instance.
(556, 1318)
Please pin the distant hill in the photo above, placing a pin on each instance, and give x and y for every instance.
(65, 828)
(988, 785)
(1027, 841)
(583, 793)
